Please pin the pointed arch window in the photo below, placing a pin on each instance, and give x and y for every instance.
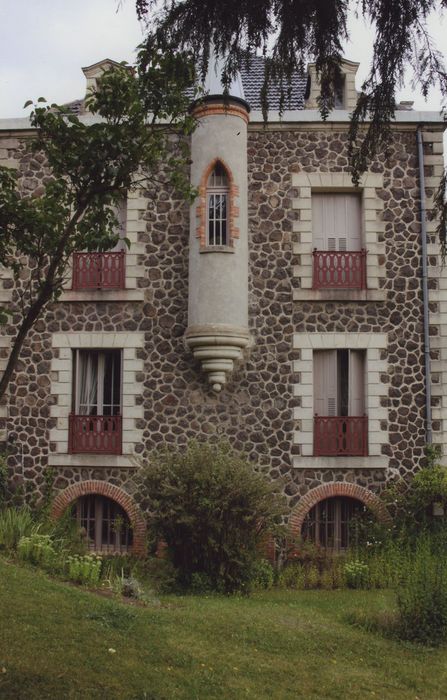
(217, 195)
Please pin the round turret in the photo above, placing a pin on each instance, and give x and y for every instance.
(218, 261)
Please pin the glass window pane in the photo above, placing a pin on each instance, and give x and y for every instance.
(330, 522)
(114, 531)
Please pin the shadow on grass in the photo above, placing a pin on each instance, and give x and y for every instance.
(388, 624)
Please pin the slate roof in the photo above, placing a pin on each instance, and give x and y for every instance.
(253, 78)
(252, 81)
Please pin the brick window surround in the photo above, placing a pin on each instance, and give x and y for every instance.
(102, 488)
(201, 209)
(338, 488)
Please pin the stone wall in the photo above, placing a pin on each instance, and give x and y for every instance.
(256, 410)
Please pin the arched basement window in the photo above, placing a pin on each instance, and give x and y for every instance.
(329, 523)
(217, 206)
(106, 525)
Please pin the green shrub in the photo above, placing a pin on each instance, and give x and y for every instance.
(262, 575)
(356, 574)
(327, 580)
(308, 553)
(212, 509)
(312, 577)
(161, 575)
(422, 597)
(38, 549)
(84, 569)
(3, 481)
(292, 576)
(16, 523)
(200, 583)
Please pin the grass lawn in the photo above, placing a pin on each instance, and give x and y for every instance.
(55, 641)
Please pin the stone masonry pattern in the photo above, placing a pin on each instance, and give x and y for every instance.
(255, 410)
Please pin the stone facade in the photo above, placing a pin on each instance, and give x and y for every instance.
(265, 409)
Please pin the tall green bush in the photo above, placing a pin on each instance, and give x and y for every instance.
(16, 523)
(422, 596)
(212, 509)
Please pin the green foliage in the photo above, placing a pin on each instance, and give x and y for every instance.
(356, 574)
(327, 574)
(136, 139)
(292, 576)
(39, 550)
(312, 577)
(16, 523)
(159, 574)
(290, 34)
(386, 561)
(3, 480)
(263, 575)
(411, 503)
(422, 597)
(212, 509)
(84, 569)
(64, 531)
(200, 583)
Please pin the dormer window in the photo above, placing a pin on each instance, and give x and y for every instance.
(217, 206)
(339, 93)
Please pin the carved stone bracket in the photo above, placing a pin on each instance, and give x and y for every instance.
(217, 347)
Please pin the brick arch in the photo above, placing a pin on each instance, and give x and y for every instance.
(233, 192)
(102, 488)
(336, 488)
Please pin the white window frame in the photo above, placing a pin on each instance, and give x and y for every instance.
(99, 380)
(62, 387)
(373, 229)
(376, 392)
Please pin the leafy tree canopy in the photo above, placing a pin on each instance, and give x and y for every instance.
(132, 139)
(289, 33)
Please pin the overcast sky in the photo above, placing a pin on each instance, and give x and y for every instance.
(44, 44)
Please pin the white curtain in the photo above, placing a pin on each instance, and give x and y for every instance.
(88, 383)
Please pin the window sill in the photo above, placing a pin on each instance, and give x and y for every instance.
(339, 294)
(371, 462)
(91, 460)
(72, 295)
(217, 249)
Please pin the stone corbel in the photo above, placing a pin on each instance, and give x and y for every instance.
(217, 347)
